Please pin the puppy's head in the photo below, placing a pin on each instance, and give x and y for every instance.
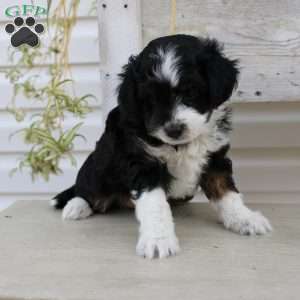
(173, 86)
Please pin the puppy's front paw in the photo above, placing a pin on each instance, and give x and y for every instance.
(161, 247)
(76, 209)
(250, 224)
(237, 217)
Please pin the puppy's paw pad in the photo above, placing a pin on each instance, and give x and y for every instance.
(76, 209)
(254, 224)
(161, 247)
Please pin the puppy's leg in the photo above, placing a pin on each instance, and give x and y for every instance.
(76, 209)
(157, 230)
(218, 185)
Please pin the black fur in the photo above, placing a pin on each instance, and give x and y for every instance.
(63, 197)
(217, 178)
(120, 164)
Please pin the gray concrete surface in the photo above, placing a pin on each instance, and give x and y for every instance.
(42, 257)
(5, 203)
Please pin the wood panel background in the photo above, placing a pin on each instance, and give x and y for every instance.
(263, 34)
(84, 63)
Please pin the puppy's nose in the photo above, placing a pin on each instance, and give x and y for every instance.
(174, 130)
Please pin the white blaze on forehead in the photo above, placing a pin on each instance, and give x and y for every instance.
(168, 67)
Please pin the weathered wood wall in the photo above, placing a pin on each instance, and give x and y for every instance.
(263, 34)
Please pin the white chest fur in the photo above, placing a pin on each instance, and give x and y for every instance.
(186, 164)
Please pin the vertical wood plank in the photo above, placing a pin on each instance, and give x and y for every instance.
(119, 37)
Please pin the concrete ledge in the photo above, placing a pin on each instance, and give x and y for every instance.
(42, 257)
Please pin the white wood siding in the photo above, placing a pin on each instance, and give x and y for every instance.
(84, 60)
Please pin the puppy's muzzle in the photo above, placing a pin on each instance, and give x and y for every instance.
(174, 130)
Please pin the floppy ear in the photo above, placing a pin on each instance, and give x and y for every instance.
(127, 91)
(220, 72)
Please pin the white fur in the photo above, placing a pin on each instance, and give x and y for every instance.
(194, 120)
(187, 162)
(168, 68)
(76, 209)
(157, 230)
(195, 124)
(239, 218)
(53, 202)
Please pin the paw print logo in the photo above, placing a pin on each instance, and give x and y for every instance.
(24, 32)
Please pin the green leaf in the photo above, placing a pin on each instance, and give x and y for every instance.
(64, 82)
(45, 133)
(69, 136)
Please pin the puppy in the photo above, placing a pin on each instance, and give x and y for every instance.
(167, 138)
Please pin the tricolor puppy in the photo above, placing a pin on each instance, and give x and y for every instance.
(167, 138)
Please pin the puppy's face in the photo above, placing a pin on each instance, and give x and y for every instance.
(175, 100)
(180, 84)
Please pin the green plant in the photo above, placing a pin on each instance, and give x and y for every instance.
(45, 130)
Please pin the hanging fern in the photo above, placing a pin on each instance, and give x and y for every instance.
(45, 134)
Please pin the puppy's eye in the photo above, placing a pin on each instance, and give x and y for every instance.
(190, 93)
